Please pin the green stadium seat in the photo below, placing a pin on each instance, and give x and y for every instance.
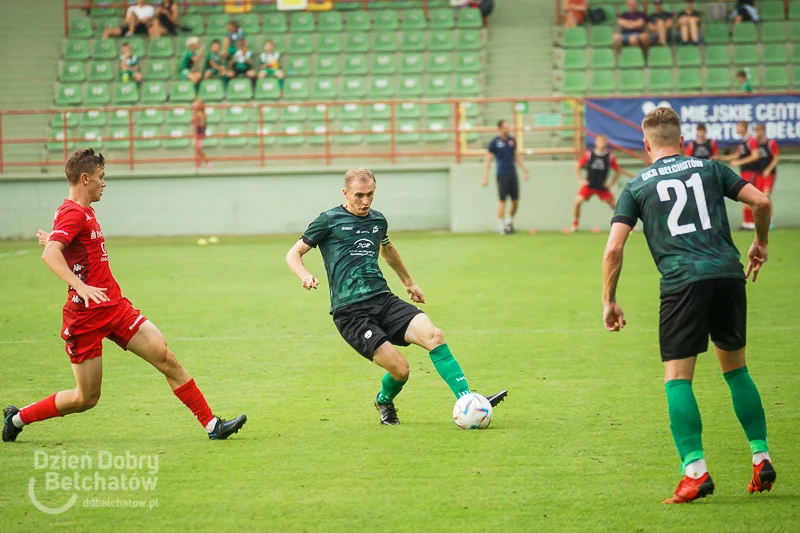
(100, 10)
(325, 89)
(125, 93)
(300, 44)
(601, 37)
(351, 111)
(217, 25)
(410, 87)
(745, 54)
(181, 91)
(150, 117)
(469, 40)
(470, 18)
(119, 117)
(775, 54)
(269, 113)
(776, 78)
(467, 85)
(575, 59)
(774, 32)
(147, 140)
(718, 80)
(239, 89)
(354, 89)
(379, 111)
(212, 7)
(239, 115)
(249, 23)
(319, 130)
(302, 22)
(441, 42)
(157, 69)
(794, 31)
(160, 47)
(296, 89)
(441, 62)
(660, 81)
(328, 65)
(72, 72)
(795, 54)
(439, 86)
(56, 143)
(385, 42)
(468, 62)
(381, 64)
(631, 58)
(275, 23)
(194, 23)
(386, 21)
(265, 132)
(234, 136)
(331, 43)
(138, 46)
(356, 43)
(755, 78)
(413, 41)
(381, 87)
(689, 80)
(379, 132)
(745, 33)
(93, 119)
(794, 10)
(98, 94)
(409, 129)
(603, 82)
(771, 11)
(117, 138)
(102, 24)
(211, 140)
(154, 92)
(347, 6)
(471, 110)
(179, 116)
(611, 14)
(414, 19)
(213, 115)
(442, 19)
(267, 89)
(796, 78)
(660, 56)
(317, 112)
(574, 83)
(348, 133)
(76, 50)
(436, 131)
(358, 21)
(603, 58)
(330, 21)
(632, 82)
(292, 134)
(409, 110)
(688, 56)
(575, 38)
(80, 28)
(717, 56)
(212, 90)
(354, 65)
(438, 110)
(413, 63)
(105, 49)
(179, 137)
(717, 33)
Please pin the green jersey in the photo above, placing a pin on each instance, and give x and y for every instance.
(681, 202)
(187, 61)
(350, 247)
(216, 58)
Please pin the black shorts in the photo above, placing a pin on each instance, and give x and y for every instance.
(508, 186)
(139, 29)
(368, 324)
(715, 307)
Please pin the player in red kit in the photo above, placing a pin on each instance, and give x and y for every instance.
(746, 157)
(598, 163)
(701, 147)
(76, 252)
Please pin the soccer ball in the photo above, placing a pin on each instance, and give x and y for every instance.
(472, 411)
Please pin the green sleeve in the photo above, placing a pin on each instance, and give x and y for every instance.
(385, 239)
(627, 210)
(732, 184)
(317, 232)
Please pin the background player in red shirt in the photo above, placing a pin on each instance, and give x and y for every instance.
(598, 163)
(701, 147)
(76, 252)
(746, 156)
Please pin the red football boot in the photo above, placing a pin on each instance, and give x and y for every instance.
(763, 477)
(690, 489)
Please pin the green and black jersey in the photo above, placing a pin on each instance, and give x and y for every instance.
(681, 202)
(350, 247)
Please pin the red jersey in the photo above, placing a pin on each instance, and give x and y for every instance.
(76, 227)
(748, 146)
(705, 150)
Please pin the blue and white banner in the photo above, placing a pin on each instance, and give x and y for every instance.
(780, 113)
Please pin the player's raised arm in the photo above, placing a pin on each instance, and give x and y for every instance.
(613, 317)
(392, 257)
(53, 257)
(762, 214)
(295, 261)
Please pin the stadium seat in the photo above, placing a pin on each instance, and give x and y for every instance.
(80, 28)
(381, 64)
(745, 33)
(410, 87)
(575, 38)
(239, 89)
(125, 93)
(379, 111)
(117, 138)
(269, 113)
(97, 94)
(718, 80)
(755, 78)
(249, 23)
(319, 130)
(213, 115)
(688, 56)
(154, 92)
(91, 138)
(745, 54)
(102, 24)
(438, 110)
(160, 47)
(317, 112)
(331, 43)
(212, 90)
(194, 23)
(601, 37)
(603, 58)
(633, 58)
(660, 81)
(470, 18)
(328, 65)
(267, 89)
(632, 82)
(351, 111)
(350, 135)
(611, 14)
(689, 80)
(93, 119)
(603, 82)
(72, 72)
(776, 78)
(358, 21)
(211, 141)
(795, 54)
(412, 63)
(234, 136)
(794, 10)
(468, 62)
(296, 89)
(325, 89)
(441, 42)
(217, 25)
(794, 31)
(385, 42)
(119, 117)
(442, 19)
(773, 10)
(414, 19)
(181, 91)
(796, 78)
(76, 50)
(660, 56)
(211, 7)
(435, 131)
(381, 87)
(354, 65)
(354, 89)
(291, 134)
(717, 55)
(439, 86)
(413, 41)
(157, 69)
(439, 63)
(101, 10)
(774, 32)
(468, 40)
(299, 66)
(56, 143)
(330, 21)
(575, 59)
(275, 23)
(105, 49)
(178, 116)
(238, 115)
(467, 85)
(299, 44)
(379, 132)
(386, 21)
(574, 83)
(356, 43)
(147, 142)
(179, 137)
(409, 110)
(409, 131)
(150, 117)
(775, 54)
(302, 22)
(717, 33)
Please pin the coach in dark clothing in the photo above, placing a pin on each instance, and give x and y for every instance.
(503, 148)
(633, 28)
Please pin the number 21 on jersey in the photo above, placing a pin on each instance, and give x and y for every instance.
(694, 183)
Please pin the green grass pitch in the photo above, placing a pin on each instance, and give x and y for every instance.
(581, 444)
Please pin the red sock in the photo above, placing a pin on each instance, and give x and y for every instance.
(41, 410)
(747, 215)
(192, 398)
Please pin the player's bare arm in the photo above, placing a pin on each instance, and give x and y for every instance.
(54, 259)
(392, 257)
(521, 162)
(578, 174)
(772, 165)
(615, 179)
(752, 158)
(295, 261)
(613, 317)
(762, 214)
(487, 164)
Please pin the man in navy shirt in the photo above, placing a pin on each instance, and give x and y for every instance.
(633, 28)
(503, 148)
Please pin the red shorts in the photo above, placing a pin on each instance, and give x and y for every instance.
(84, 330)
(585, 192)
(765, 183)
(749, 175)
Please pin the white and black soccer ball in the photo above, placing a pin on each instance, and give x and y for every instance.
(472, 411)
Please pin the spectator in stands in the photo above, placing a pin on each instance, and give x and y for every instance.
(199, 121)
(234, 34)
(745, 12)
(575, 12)
(702, 147)
(744, 81)
(129, 65)
(166, 20)
(659, 24)
(271, 63)
(215, 66)
(192, 60)
(689, 24)
(241, 63)
(137, 21)
(633, 26)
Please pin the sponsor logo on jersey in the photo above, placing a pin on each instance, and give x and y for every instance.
(363, 247)
(375, 229)
(76, 299)
(77, 268)
(88, 217)
(60, 232)
(368, 334)
(347, 228)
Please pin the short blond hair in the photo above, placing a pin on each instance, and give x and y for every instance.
(192, 41)
(361, 174)
(662, 127)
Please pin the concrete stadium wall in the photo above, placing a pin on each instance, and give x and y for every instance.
(440, 197)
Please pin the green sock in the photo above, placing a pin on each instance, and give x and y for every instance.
(391, 388)
(684, 418)
(748, 408)
(449, 369)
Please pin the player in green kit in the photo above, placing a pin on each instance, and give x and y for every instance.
(368, 316)
(681, 202)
